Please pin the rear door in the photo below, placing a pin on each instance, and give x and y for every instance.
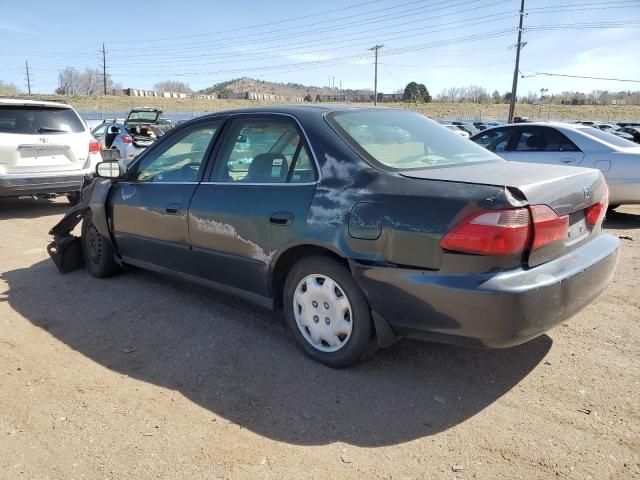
(42, 139)
(255, 203)
(149, 208)
(540, 144)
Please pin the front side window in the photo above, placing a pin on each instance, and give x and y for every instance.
(178, 159)
(495, 140)
(264, 150)
(399, 139)
(27, 120)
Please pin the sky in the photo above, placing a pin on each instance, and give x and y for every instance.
(440, 43)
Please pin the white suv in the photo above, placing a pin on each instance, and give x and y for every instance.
(45, 148)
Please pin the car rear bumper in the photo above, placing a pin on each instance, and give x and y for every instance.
(40, 183)
(493, 309)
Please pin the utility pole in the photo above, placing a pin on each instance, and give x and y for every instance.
(375, 78)
(26, 66)
(104, 69)
(514, 87)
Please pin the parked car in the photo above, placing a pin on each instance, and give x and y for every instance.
(45, 149)
(573, 145)
(124, 141)
(359, 238)
(458, 131)
(614, 129)
(164, 125)
(467, 127)
(633, 132)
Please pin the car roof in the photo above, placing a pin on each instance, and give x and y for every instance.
(299, 108)
(36, 103)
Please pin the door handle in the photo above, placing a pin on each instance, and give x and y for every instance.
(281, 218)
(567, 160)
(173, 208)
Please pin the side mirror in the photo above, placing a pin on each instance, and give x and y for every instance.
(108, 170)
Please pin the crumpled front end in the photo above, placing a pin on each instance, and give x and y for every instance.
(66, 249)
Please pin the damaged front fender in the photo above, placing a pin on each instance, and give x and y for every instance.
(65, 250)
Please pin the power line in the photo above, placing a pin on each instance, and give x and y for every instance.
(291, 19)
(535, 74)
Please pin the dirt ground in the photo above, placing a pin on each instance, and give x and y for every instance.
(140, 376)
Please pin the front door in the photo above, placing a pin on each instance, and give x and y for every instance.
(149, 208)
(256, 202)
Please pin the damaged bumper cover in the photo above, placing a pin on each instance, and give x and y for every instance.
(66, 250)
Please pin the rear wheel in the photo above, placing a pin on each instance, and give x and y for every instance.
(99, 256)
(327, 312)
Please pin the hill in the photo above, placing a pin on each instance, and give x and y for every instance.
(245, 84)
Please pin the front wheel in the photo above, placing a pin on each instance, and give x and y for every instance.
(99, 256)
(327, 312)
(73, 198)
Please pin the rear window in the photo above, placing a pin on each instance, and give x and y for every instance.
(400, 140)
(610, 138)
(143, 116)
(39, 120)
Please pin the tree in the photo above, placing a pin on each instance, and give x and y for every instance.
(507, 96)
(453, 94)
(8, 88)
(416, 92)
(496, 96)
(476, 94)
(68, 81)
(72, 82)
(308, 98)
(172, 86)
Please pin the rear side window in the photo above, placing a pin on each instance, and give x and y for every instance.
(39, 120)
(544, 140)
(494, 140)
(264, 150)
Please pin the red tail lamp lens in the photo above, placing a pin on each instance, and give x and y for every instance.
(492, 232)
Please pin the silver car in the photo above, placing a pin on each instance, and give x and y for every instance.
(573, 145)
(124, 142)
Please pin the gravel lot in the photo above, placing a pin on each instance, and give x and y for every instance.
(141, 376)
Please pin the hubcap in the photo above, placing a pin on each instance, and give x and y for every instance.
(323, 313)
(95, 245)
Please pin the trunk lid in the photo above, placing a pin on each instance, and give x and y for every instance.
(146, 115)
(567, 190)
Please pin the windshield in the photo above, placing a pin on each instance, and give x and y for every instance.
(610, 138)
(399, 139)
(39, 120)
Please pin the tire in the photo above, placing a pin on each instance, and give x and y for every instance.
(99, 256)
(73, 198)
(341, 333)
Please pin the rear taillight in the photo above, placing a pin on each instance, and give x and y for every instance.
(548, 227)
(490, 232)
(507, 232)
(94, 146)
(127, 139)
(596, 212)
